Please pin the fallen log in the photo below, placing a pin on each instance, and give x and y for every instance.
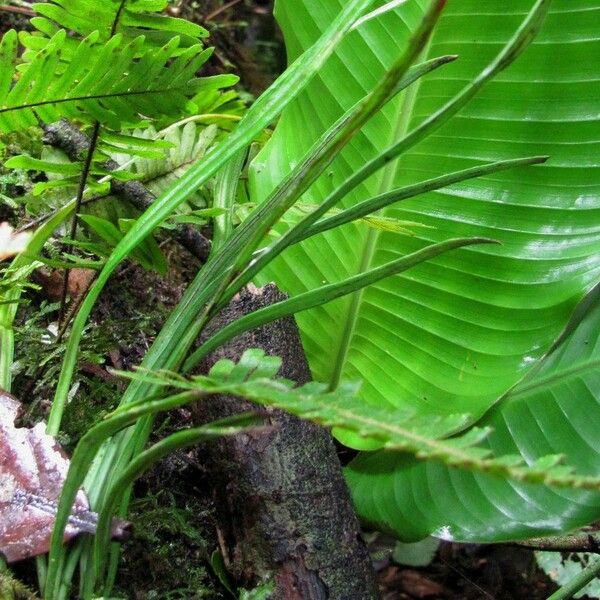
(285, 512)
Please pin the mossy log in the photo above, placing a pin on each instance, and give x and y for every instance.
(285, 511)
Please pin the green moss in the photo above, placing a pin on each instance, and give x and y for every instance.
(11, 589)
(39, 360)
(167, 557)
(121, 325)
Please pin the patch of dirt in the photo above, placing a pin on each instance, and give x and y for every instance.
(15, 18)
(469, 572)
(134, 295)
(246, 37)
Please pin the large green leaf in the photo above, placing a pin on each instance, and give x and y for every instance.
(453, 335)
(556, 410)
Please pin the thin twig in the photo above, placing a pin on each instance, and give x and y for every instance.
(117, 18)
(577, 542)
(221, 9)
(73, 308)
(21, 10)
(82, 183)
(472, 583)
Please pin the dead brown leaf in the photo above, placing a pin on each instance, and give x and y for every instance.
(51, 282)
(33, 469)
(418, 586)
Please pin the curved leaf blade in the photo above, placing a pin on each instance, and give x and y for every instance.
(554, 411)
(480, 342)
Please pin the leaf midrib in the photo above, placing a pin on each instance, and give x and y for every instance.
(64, 100)
(403, 113)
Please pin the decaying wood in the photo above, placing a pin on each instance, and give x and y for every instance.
(75, 144)
(286, 511)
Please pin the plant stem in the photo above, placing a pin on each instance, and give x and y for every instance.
(82, 182)
(577, 542)
(18, 10)
(577, 583)
(221, 9)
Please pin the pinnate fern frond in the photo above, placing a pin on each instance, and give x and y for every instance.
(254, 377)
(187, 142)
(133, 18)
(113, 83)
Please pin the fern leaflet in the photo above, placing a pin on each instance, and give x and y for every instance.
(133, 18)
(254, 378)
(115, 84)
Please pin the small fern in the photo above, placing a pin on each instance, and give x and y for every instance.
(132, 19)
(154, 158)
(187, 143)
(114, 83)
(254, 378)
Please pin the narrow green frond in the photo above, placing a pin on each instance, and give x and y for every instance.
(29, 163)
(380, 223)
(8, 55)
(393, 429)
(367, 207)
(325, 294)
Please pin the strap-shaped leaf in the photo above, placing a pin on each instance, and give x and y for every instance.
(168, 350)
(110, 82)
(325, 294)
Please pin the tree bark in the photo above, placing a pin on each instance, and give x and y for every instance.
(285, 511)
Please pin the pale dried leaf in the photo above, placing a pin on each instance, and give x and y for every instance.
(11, 242)
(33, 468)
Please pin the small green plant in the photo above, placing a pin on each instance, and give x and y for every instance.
(348, 174)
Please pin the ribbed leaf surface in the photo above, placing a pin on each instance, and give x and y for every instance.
(453, 335)
(555, 411)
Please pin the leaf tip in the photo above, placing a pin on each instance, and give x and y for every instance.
(483, 240)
